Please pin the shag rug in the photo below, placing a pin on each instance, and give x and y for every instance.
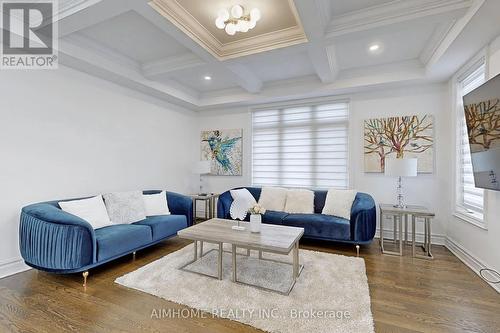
(330, 295)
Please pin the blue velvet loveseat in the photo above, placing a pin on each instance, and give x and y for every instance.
(360, 229)
(55, 241)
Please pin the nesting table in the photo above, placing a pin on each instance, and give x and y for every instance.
(400, 214)
(272, 239)
(209, 200)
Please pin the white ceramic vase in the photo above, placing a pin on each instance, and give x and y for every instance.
(255, 222)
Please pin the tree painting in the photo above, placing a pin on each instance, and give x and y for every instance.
(223, 148)
(399, 137)
(483, 124)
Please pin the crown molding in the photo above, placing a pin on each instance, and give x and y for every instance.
(171, 64)
(265, 42)
(324, 8)
(436, 40)
(100, 49)
(250, 83)
(453, 33)
(324, 61)
(70, 7)
(390, 13)
(80, 53)
(184, 21)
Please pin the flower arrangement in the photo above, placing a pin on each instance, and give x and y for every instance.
(257, 209)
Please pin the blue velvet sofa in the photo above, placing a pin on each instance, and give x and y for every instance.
(55, 241)
(359, 229)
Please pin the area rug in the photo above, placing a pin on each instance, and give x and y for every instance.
(330, 295)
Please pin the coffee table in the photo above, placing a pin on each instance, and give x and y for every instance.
(272, 239)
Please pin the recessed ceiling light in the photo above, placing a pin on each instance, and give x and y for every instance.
(374, 47)
(207, 78)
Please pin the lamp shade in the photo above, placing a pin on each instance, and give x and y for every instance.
(202, 167)
(401, 167)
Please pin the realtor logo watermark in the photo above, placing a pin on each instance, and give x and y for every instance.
(29, 35)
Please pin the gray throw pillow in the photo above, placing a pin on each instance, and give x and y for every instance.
(125, 207)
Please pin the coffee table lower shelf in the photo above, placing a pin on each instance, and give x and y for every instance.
(296, 266)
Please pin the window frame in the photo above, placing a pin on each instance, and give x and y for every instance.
(461, 211)
(305, 103)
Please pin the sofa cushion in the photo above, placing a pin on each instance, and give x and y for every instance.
(273, 198)
(91, 210)
(156, 204)
(339, 203)
(164, 226)
(121, 239)
(320, 226)
(273, 217)
(299, 201)
(125, 207)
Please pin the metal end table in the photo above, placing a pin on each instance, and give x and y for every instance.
(400, 214)
(209, 200)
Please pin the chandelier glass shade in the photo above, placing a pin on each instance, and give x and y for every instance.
(236, 20)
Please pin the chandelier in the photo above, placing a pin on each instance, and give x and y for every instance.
(237, 20)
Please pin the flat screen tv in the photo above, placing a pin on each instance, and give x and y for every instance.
(482, 115)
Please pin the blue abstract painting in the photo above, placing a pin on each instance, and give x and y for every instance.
(223, 148)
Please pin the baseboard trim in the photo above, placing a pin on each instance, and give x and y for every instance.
(468, 259)
(419, 237)
(12, 266)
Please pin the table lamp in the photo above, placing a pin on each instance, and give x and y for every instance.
(202, 168)
(400, 167)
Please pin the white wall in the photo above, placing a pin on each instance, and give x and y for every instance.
(475, 246)
(65, 134)
(228, 119)
(426, 189)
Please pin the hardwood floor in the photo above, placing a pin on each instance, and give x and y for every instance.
(408, 295)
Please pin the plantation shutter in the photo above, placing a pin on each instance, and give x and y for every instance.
(301, 146)
(471, 198)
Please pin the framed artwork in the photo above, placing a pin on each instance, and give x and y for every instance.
(399, 137)
(223, 148)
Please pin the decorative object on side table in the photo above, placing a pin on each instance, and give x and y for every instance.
(202, 168)
(256, 217)
(400, 167)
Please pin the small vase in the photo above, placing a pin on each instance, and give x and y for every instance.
(255, 222)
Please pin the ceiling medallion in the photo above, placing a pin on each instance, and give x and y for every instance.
(235, 20)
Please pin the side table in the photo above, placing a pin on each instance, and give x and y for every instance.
(209, 200)
(398, 214)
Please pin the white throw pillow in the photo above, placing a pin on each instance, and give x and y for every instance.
(125, 207)
(156, 204)
(339, 203)
(299, 201)
(243, 200)
(273, 198)
(91, 210)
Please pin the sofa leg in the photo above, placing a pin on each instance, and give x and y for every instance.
(357, 250)
(85, 276)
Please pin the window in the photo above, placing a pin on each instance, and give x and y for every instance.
(470, 200)
(301, 146)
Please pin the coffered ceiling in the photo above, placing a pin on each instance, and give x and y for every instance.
(280, 25)
(169, 48)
